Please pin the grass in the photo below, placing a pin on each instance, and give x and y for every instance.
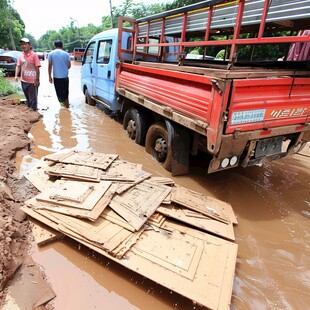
(6, 88)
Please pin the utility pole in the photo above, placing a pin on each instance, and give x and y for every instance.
(111, 14)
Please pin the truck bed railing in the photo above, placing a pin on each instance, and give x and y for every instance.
(196, 26)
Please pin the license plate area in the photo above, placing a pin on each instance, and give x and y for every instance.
(267, 147)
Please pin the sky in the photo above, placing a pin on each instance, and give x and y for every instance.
(40, 16)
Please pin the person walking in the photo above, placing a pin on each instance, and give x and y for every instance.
(59, 64)
(28, 67)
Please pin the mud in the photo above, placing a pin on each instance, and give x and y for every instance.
(15, 123)
(272, 204)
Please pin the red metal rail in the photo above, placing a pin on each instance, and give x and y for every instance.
(233, 43)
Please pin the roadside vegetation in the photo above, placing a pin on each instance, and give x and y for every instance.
(6, 88)
(12, 27)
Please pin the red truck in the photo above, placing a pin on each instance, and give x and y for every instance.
(241, 110)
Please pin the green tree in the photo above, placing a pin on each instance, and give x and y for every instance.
(12, 27)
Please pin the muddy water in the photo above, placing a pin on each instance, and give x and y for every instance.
(272, 204)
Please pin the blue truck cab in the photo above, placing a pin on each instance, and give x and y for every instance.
(100, 61)
(98, 69)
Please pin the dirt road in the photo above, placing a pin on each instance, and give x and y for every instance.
(272, 204)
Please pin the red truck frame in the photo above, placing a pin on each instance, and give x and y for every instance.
(241, 113)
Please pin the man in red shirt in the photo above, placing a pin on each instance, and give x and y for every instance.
(28, 65)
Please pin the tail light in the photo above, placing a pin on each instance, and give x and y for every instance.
(7, 59)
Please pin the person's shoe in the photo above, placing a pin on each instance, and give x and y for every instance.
(66, 103)
(62, 103)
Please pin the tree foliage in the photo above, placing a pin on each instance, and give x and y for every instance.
(11, 26)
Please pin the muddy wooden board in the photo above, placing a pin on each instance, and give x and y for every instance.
(139, 203)
(76, 172)
(28, 289)
(83, 195)
(103, 233)
(209, 206)
(125, 186)
(91, 159)
(117, 240)
(91, 215)
(127, 244)
(38, 176)
(162, 180)
(43, 234)
(198, 220)
(174, 252)
(121, 170)
(113, 217)
(156, 219)
(213, 280)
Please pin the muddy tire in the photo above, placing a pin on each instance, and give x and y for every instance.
(156, 144)
(88, 99)
(135, 124)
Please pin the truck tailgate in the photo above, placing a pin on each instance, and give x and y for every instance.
(268, 103)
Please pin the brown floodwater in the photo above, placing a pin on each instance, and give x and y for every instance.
(272, 204)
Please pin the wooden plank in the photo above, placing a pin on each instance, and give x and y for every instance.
(212, 284)
(140, 202)
(91, 215)
(200, 221)
(162, 180)
(209, 206)
(156, 219)
(104, 233)
(38, 176)
(75, 172)
(28, 289)
(127, 244)
(43, 234)
(113, 217)
(90, 159)
(72, 193)
(36, 214)
(176, 254)
(125, 186)
(121, 170)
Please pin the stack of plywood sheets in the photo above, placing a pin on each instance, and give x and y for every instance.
(176, 237)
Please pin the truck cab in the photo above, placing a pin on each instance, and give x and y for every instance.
(100, 62)
(98, 69)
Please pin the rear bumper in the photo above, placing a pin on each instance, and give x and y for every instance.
(253, 148)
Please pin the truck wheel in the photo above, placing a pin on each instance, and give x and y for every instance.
(135, 125)
(156, 143)
(88, 99)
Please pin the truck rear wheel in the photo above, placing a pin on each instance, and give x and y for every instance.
(88, 99)
(156, 143)
(135, 125)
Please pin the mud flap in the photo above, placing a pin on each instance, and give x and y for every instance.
(178, 142)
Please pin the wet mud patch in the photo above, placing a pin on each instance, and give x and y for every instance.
(15, 123)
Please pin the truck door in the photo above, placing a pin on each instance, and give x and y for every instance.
(105, 72)
(88, 78)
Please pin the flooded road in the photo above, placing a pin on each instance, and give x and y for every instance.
(272, 204)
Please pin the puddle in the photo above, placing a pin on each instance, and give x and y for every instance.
(273, 231)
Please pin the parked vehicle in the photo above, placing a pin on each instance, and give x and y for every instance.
(238, 112)
(78, 53)
(41, 55)
(8, 61)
